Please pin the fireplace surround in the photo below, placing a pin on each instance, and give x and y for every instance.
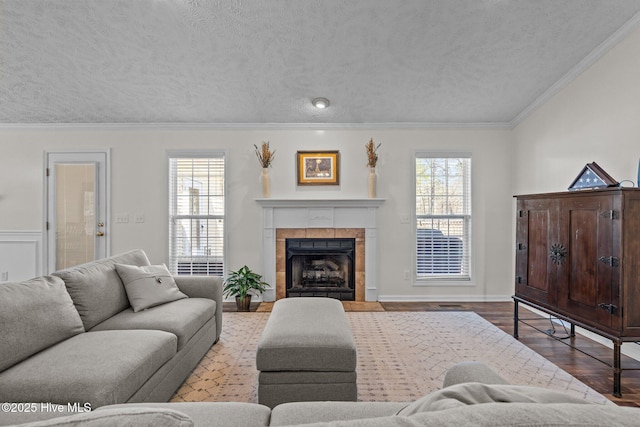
(319, 218)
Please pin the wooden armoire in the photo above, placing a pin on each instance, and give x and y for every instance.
(578, 258)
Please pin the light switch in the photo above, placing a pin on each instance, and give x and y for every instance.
(123, 217)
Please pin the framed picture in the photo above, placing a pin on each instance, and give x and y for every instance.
(318, 167)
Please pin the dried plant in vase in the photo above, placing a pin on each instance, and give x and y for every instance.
(372, 155)
(264, 154)
(372, 161)
(265, 157)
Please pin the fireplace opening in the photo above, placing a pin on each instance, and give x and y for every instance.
(320, 268)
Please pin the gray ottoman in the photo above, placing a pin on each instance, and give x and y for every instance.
(306, 353)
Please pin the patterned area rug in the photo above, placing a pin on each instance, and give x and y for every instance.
(401, 357)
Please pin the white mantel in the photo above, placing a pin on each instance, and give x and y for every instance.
(320, 213)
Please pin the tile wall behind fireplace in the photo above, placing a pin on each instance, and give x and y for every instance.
(324, 233)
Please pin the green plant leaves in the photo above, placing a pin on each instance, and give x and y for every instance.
(242, 282)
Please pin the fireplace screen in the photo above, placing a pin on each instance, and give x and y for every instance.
(321, 268)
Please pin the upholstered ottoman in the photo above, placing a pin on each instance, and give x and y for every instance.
(306, 353)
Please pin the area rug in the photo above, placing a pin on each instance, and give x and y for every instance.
(401, 357)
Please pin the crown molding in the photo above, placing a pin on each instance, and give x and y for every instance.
(596, 54)
(248, 126)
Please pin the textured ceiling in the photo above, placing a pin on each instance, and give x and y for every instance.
(253, 61)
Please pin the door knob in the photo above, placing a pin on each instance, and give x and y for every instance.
(100, 233)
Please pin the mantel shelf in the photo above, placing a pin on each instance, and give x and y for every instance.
(317, 203)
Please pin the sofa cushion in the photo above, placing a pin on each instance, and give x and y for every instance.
(213, 414)
(34, 314)
(506, 414)
(130, 417)
(294, 413)
(148, 285)
(96, 367)
(183, 318)
(96, 288)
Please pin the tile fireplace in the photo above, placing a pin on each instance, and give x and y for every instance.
(350, 219)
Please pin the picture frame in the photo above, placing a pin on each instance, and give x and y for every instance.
(318, 167)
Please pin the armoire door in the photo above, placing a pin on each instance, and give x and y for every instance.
(586, 226)
(536, 230)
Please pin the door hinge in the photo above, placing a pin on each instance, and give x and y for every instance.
(610, 214)
(522, 214)
(47, 225)
(608, 307)
(610, 260)
(520, 280)
(47, 172)
(521, 246)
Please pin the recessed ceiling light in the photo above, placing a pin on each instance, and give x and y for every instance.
(320, 102)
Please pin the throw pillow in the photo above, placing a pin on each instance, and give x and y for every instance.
(149, 285)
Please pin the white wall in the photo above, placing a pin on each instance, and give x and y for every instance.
(139, 185)
(595, 118)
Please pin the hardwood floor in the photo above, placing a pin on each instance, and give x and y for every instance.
(582, 366)
(588, 370)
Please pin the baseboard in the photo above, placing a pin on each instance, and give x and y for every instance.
(444, 298)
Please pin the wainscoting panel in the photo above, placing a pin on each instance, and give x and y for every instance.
(20, 255)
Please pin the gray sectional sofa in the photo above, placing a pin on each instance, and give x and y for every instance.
(73, 337)
(473, 395)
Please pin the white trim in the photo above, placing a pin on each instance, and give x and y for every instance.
(445, 298)
(33, 237)
(201, 153)
(320, 203)
(45, 195)
(459, 280)
(253, 126)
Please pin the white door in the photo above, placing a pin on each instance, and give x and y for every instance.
(76, 213)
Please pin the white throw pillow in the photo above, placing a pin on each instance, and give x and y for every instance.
(149, 285)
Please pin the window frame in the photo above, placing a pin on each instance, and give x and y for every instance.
(195, 154)
(464, 278)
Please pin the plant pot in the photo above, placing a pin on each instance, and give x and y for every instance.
(243, 304)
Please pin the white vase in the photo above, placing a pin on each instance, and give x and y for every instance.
(266, 185)
(372, 182)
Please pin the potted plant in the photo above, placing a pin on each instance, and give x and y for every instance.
(242, 284)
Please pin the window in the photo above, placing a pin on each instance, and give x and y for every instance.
(196, 213)
(443, 216)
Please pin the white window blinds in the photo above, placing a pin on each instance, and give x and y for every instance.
(197, 214)
(443, 216)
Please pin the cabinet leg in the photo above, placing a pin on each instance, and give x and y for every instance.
(573, 330)
(617, 369)
(515, 319)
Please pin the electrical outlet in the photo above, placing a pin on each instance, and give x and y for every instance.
(407, 275)
(122, 218)
(404, 219)
(4, 276)
(139, 217)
